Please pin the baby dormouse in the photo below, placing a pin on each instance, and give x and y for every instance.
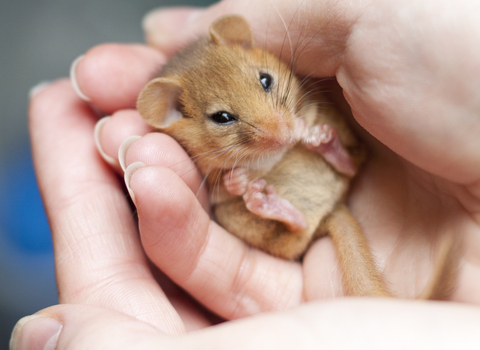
(278, 161)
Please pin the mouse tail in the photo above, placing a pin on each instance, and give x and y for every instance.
(444, 278)
(360, 275)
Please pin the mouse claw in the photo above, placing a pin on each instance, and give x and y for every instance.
(325, 140)
(236, 181)
(272, 206)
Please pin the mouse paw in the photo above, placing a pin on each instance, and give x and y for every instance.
(236, 181)
(272, 206)
(301, 130)
(325, 140)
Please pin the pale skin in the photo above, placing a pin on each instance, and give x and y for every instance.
(409, 70)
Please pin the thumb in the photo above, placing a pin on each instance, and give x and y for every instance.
(65, 327)
(340, 324)
(312, 31)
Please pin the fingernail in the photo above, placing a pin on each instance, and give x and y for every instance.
(73, 79)
(35, 90)
(128, 175)
(96, 135)
(160, 24)
(35, 332)
(122, 151)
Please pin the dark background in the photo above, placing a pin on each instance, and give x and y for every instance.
(38, 42)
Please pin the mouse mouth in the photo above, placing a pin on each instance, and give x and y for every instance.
(267, 150)
(274, 145)
(276, 137)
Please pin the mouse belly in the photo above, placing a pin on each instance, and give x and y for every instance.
(309, 183)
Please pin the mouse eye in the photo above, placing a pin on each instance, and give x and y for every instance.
(223, 117)
(266, 80)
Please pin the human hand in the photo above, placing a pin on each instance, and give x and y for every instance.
(98, 255)
(412, 203)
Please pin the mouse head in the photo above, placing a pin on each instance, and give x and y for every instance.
(223, 97)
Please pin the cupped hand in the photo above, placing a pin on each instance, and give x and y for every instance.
(99, 259)
(409, 76)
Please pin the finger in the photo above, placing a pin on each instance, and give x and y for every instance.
(161, 149)
(315, 33)
(391, 65)
(112, 75)
(215, 267)
(82, 327)
(322, 274)
(111, 131)
(342, 324)
(99, 259)
(193, 315)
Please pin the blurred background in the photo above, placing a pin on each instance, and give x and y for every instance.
(38, 42)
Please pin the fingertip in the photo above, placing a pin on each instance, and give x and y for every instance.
(111, 131)
(122, 150)
(129, 171)
(44, 108)
(35, 332)
(112, 75)
(160, 149)
(80, 326)
(73, 78)
(97, 136)
(36, 89)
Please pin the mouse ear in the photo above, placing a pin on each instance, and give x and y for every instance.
(231, 30)
(157, 101)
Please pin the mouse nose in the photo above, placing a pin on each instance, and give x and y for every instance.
(278, 132)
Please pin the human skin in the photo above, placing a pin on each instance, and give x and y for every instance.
(408, 70)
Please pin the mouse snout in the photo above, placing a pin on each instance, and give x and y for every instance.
(278, 133)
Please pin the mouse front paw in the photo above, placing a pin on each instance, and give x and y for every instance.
(325, 140)
(301, 130)
(271, 206)
(236, 181)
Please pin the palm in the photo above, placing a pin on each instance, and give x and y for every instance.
(405, 212)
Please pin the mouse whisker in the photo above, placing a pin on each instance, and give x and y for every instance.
(230, 148)
(202, 184)
(293, 61)
(214, 151)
